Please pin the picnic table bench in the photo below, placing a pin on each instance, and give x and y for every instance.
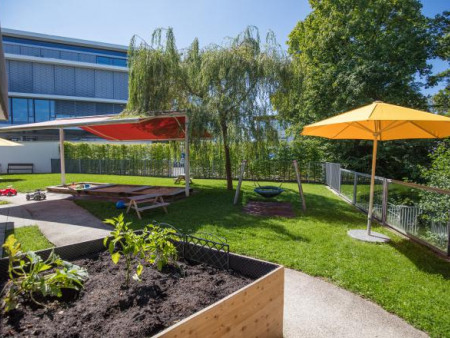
(155, 200)
(20, 167)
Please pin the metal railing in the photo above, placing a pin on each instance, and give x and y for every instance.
(262, 170)
(420, 212)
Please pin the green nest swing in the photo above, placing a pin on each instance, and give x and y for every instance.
(268, 191)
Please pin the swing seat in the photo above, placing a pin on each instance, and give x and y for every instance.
(268, 191)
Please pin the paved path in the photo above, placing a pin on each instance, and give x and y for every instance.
(59, 218)
(315, 308)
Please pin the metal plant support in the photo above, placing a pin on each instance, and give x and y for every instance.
(210, 248)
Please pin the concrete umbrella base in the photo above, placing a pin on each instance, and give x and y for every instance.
(374, 237)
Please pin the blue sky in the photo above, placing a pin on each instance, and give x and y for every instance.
(115, 21)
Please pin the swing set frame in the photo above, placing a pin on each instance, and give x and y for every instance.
(297, 174)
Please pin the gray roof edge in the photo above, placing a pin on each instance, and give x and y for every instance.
(60, 39)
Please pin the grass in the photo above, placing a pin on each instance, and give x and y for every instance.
(403, 277)
(3, 202)
(30, 238)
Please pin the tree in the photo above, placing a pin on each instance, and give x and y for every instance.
(349, 53)
(224, 89)
(441, 101)
(436, 207)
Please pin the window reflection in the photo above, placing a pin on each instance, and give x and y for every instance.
(19, 110)
(41, 110)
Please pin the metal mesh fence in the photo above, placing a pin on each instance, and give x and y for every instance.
(418, 211)
(268, 170)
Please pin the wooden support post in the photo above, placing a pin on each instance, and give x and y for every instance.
(61, 156)
(372, 185)
(241, 176)
(187, 175)
(299, 182)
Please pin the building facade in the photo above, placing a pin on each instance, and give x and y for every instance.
(53, 77)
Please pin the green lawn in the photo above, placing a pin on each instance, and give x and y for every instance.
(30, 238)
(2, 202)
(403, 277)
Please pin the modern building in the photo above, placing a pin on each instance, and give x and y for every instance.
(3, 84)
(54, 77)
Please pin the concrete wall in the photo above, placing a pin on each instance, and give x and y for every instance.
(38, 153)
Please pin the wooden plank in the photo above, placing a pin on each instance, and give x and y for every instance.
(299, 183)
(422, 187)
(253, 311)
(143, 197)
(153, 206)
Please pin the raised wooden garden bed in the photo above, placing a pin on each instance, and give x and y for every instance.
(254, 310)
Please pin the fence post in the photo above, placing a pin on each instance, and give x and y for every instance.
(79, 165)
(355, 185)
(385, 200)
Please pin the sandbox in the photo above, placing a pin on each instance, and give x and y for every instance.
(115, 190)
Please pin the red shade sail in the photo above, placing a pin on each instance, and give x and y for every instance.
(158, 129)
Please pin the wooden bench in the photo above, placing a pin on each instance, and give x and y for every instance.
(155, 200)
(29, 167)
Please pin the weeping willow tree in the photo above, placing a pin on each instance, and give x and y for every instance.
(224, 89)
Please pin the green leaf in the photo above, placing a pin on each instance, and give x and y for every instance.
(115, 257)
(139, 269)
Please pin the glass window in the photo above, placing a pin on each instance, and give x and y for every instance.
(120, 62)
(52, 110)
(41, 110)
(19, 111)
(104, 60)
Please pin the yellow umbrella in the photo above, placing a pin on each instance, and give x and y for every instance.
(380, 122)
(7, 143)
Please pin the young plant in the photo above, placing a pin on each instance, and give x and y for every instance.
(30, 274)
(160, 249)
(127, 244)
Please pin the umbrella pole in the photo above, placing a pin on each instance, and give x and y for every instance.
(372, 186)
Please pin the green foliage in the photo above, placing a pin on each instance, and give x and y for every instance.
(225, 89)
(30, 274)
(436, 207)
(127, 244)
(441, 101)
(349, 53)
(207, 158)
(153, 245)
(159, 246)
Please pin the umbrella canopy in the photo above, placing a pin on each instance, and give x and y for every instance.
(380, 121)
(388, 121)
(7, 143)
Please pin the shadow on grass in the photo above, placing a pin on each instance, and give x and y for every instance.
(422, 258)
(4, 181)
(208, 207)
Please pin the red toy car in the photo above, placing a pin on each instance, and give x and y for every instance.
(8, 192)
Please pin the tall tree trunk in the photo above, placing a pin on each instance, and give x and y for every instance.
(226, 147)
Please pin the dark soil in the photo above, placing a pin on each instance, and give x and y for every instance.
(269, 209)
(105, 308)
